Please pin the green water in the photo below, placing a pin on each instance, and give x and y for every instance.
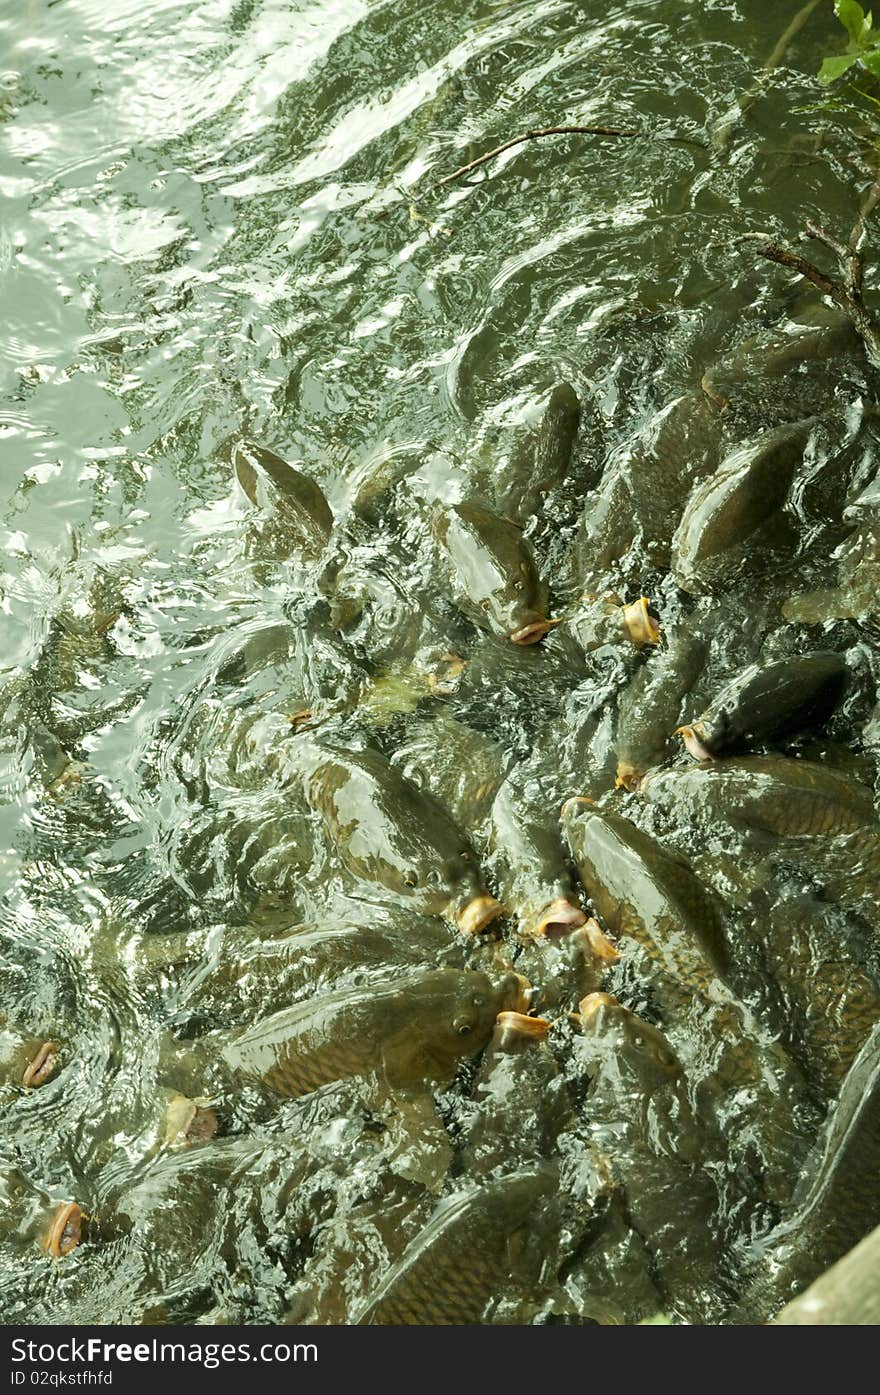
(222, 220)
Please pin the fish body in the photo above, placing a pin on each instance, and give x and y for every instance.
(639, 497)
(522, 1103)
(408, 1031)
(542, 461)
(387, 831)
(724, 511)
(839, 1202)
(650, 705)
(480, 1244)
(640, 1114)
(643, 892)
(536, 884)
(296, 515)
(495, 570)
(771, 794)
(767, 702)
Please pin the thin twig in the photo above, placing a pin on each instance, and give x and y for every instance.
(847, 255)
(535, 135)
(857, 237)
(852, 306)
(727, 124)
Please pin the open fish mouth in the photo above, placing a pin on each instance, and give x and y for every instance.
(693, 742)
(600, 946)
(641, 622)
(478, 914)
(65, 1231)
(42, 1067)
(628, 776)
(533, 632)
(593, 1009)
(560, 917)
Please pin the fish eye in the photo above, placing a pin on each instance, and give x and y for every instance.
(410, 879)
(638, 1043)
(464, 1029)
(484, 605)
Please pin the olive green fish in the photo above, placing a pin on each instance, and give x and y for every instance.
(496, 571)
(640, 1114)
(771, 794)
(387, 831)
(408, 1031)
(723, 512)
(839, 1202)
(642, 891)
(297, 517)
(766, 702)
(481, 1245)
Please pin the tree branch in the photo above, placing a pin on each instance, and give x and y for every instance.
(535, 135)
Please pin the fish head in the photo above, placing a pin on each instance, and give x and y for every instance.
(620, 1040)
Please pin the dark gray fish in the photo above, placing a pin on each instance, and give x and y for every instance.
(767, 702)
(495, 570)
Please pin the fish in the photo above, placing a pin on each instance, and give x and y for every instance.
(643, 892)
(829, 1002)
(388, 832)
(838, 1202)
(495, 570)
(603, 620)
(407, 1031)
(296, 515)
(856, 595)
(542, 462)
(651, 703)
(535, 881)
(766, 702)
(775, 795)
(257, 974)
(724, 511)
(639, 1110)
(639, 498)
(522, 1104)
(481, 1245)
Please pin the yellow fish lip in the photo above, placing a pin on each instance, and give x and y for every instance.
(572, 801)
(42, 1067)
(56, 1242)
(561, 913)
(692, 736)
(641, 626)
(478, 914)
(628, 777)
(592, 1005)
(601, 947)
(509, 1025)
(532, 633)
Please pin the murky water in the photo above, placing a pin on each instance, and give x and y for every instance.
(222, 221)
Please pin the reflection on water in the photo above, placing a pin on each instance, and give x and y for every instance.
(221, 220)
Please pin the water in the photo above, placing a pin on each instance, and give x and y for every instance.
(222, 220)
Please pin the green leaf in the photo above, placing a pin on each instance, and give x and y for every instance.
(833, 68)
(871, 61)
(852, 17)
